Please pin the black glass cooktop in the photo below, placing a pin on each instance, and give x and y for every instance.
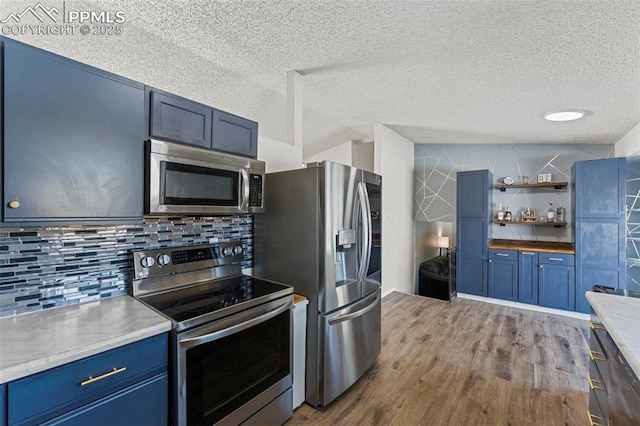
(215, 299)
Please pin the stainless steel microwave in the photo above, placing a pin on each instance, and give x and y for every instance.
(181, 179)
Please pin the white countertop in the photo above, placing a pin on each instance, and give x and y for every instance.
(34, 342)
(621, 317)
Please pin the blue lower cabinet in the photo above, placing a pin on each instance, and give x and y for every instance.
(503, 274)
(131, 376)
(145, 404)
(557, 286)
(528, 277)
(3, 405)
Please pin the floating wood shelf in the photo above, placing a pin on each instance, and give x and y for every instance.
(532, 223)
(558, 186)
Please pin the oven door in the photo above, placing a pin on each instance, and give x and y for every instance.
(195, 186)
(230, 369)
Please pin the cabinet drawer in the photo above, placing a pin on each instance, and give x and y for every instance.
(142, 404)
(596, 416)
(70, 386)
(598, 397)
(556, 258)
(497, 254)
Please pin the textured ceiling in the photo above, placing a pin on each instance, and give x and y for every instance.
(435, 71)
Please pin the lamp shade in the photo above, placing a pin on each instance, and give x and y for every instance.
(443, 242)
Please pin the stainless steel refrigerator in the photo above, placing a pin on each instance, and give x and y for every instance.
(321, 233)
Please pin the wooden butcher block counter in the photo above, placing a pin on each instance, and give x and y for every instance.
(524, 245)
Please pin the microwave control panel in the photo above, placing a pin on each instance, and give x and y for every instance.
(255, 190)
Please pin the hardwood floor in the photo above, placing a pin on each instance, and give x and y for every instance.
(467, 363)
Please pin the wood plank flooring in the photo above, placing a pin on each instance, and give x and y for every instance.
(467, 363)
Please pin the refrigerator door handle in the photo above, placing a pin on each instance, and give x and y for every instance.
(358, 313)
(365, 254)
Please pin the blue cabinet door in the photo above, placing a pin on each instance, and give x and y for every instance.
(471, 271)
(556, 286)
(503, 274)
(73, 140)
(235, 135)
(528, 277)
(473, 196)
(599, 188)
(178, 119)
(600, 256)
(3, 405)
(599, 198)
(144, 404)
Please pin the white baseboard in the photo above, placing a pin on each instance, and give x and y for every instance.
(526, 306)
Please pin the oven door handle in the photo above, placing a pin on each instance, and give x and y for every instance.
(209, 337)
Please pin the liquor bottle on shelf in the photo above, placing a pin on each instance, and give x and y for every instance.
(500, 215)
(551, 214)
(562, 212)
(507, 214)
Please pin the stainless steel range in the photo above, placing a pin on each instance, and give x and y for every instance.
(231, 337)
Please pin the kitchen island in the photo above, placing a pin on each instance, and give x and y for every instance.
(614, 396)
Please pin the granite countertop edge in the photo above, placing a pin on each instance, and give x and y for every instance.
(620, 316)
(35, 342)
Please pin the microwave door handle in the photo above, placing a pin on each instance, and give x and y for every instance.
(244, 188)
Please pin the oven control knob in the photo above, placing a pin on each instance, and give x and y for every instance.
(227, 251)
(237, 250)
(164, 259)
(147, 262)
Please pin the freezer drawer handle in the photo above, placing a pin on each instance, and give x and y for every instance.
(355, 314)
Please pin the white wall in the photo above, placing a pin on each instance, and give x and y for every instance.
(278, 156)
(339, 154)
(629, 144)
(393, 159)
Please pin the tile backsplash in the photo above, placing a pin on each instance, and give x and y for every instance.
(45, 267)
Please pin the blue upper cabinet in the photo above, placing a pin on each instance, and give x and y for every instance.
(178, 119)
(472, 235)
(599, 196)
(235, 135)
(73, 140)
(473, 196)
(600, 188)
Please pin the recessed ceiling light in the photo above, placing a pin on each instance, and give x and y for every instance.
(564, 115)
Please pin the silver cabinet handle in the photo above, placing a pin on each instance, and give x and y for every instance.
(556, 259)
(527, 253)
(503, 254)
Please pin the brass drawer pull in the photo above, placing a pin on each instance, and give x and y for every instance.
(596, 326)
(596, 356)
(593, 422)
(103, 376)
(595, 384)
